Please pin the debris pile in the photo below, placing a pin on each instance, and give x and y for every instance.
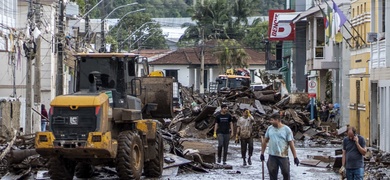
(197, 116)
(377, 164)
(18, 157)
(187, 159)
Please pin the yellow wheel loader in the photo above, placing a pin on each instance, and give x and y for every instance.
(102, 122)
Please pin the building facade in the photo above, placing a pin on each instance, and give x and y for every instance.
(359, 76)
(380, 75)
(327, 61)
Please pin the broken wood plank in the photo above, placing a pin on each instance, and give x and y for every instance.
(322, 158)
(245, 100)
(310, 162)
(298, 136)
(267, 98)
(342, 130)
(311, 132)
(6, 151)
(299, 98)
(295, 117)
(323, 164)
(205, 113)
(177, 160)
(259, 107)
(337, 161)
(266, 92)
(335, 141)
(283, 102)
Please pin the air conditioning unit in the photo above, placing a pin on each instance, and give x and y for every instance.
(372, 37)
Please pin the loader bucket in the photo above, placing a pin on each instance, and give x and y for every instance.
(158, 90)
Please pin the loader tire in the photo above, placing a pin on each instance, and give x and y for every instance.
(84, 170)
(154, 167)
(61, 168)
(130, 156)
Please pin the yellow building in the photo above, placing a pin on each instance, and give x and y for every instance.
(359, 71)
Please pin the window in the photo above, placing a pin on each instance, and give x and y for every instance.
(171, 73)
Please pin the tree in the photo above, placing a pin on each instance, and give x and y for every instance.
(149, 36)
(215, 18)
(231, 55)
(211, 17)
(256, 33)
(139, 32)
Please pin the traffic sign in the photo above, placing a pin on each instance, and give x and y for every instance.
(312, 87)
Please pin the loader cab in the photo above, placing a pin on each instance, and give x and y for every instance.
(113, 72)
(231, 82)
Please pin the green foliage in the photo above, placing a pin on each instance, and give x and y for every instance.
(256, 33)
(148, 36)
(265, 5)
(218, 19)
(231, 55)
(139, 32)
(215, 19)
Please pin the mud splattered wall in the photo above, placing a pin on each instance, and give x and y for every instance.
(9, 117)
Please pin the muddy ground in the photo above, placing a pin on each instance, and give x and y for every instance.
(238, 171)
(254, 171)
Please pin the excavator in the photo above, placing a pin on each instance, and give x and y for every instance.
(110, 119)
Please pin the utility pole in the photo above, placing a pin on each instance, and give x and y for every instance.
(201, 88)
(102, 35)
(13, 74)
(87, 23)
(60, 57)
(30, 17)
(37, 68)
(36, 122)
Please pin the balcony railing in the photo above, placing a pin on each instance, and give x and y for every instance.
(274, 64)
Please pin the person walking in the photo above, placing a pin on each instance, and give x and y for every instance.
(244, 135)
(354, 149)
(44, 118)
(280, 138)
(223, 124)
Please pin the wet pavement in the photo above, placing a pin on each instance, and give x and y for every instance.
(254, 171)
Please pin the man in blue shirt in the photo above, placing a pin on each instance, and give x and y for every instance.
(224, 129)
(354, 149)
(280, 138)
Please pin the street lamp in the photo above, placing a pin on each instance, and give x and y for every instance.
(143, 9)
(82, 17)
(131, 35)
(103, 39)
(139, 29)
(142, 37)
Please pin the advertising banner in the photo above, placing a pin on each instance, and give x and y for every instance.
(280, 30)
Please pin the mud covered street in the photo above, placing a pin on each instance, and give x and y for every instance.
(254, 171)
(306, 150)
(238, 171)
